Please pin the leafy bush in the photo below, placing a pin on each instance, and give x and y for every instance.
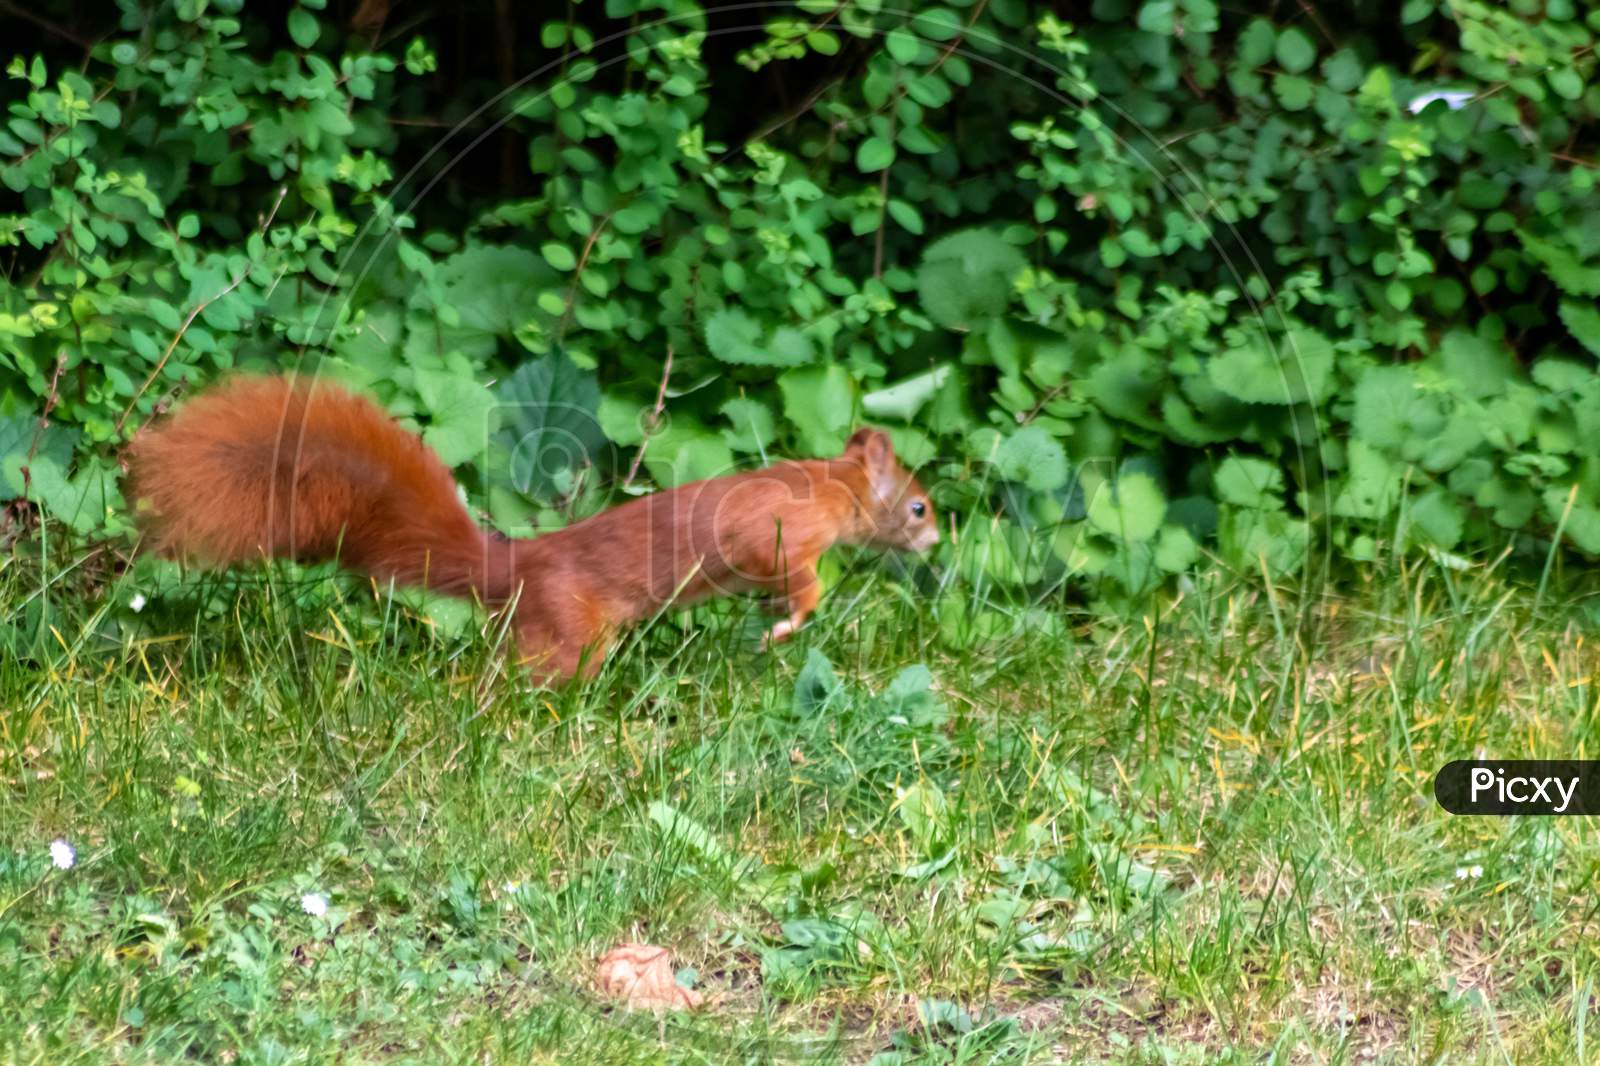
(1166, 280)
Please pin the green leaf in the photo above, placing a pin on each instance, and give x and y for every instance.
(925, 814)
(1132, 508)
(1476, 365)
(1370, 488)
(820, 402)
(1295, 51)
(1294, 93)
(1437, 516)
(1249, 482)
(494, 291)
(1583, 322)
(1176, 549)
(966, 277)
(1256, 44)
(87, 501)
(462, 415)
(902, 46)
(18, 434)
(558, 255)
(303, 27)
(734, 337)
(1031, 456)
(751, 425)
(1296, 368)
(1389, 410)
(1254, 540)
(817, 688)
(1158, 16)
(874, 154)
(692, 836)
(549, 417)
(686, 451)
(1563, 265)
(1579, 521)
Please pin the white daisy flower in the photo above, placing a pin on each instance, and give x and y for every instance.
(314, 904)
(63, 856)
(137, 603)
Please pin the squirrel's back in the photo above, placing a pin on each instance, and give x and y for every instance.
(290, 468)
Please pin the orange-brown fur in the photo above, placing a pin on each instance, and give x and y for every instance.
(266, 466)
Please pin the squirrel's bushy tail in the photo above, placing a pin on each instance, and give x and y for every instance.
(269, 466)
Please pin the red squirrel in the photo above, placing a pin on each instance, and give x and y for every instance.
(277, 467)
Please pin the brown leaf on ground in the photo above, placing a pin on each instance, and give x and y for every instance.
(640, 975)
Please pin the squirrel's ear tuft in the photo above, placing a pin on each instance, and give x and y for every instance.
(870, 444)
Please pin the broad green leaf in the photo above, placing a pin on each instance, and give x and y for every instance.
(820, 401)
(1577, 519)
(1132, 508)
(751, 427)
(734, 337)
(1563, 265)
(1175, 549)
(18, 434)
(549, 418)
(1390, 412)
(1476, 365)
(1248, 482)
(817, 689)
(1034, 458)
(1294, 368)
(966, 277)
(1582, 320)
(686, 451)
(462, 415)
(1437, 516)
(493, 291)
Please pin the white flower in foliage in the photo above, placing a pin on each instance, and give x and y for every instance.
(63, 856)
(314, 904)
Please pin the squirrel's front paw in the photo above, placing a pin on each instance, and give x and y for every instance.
(779, 632)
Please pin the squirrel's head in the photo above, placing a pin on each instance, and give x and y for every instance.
(898, 510)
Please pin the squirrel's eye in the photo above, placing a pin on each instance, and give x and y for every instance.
(918, 508)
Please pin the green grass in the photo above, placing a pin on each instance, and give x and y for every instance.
(1204, 835)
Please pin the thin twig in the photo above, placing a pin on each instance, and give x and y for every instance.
(1311, 12)
(1589, 163)
(85, 43)
(51, 399)
(883, 210)
(201, 306)
(653, 421)
(577, 272)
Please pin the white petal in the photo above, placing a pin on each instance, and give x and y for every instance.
(63, 856)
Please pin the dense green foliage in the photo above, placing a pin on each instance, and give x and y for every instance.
(1162, 280)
